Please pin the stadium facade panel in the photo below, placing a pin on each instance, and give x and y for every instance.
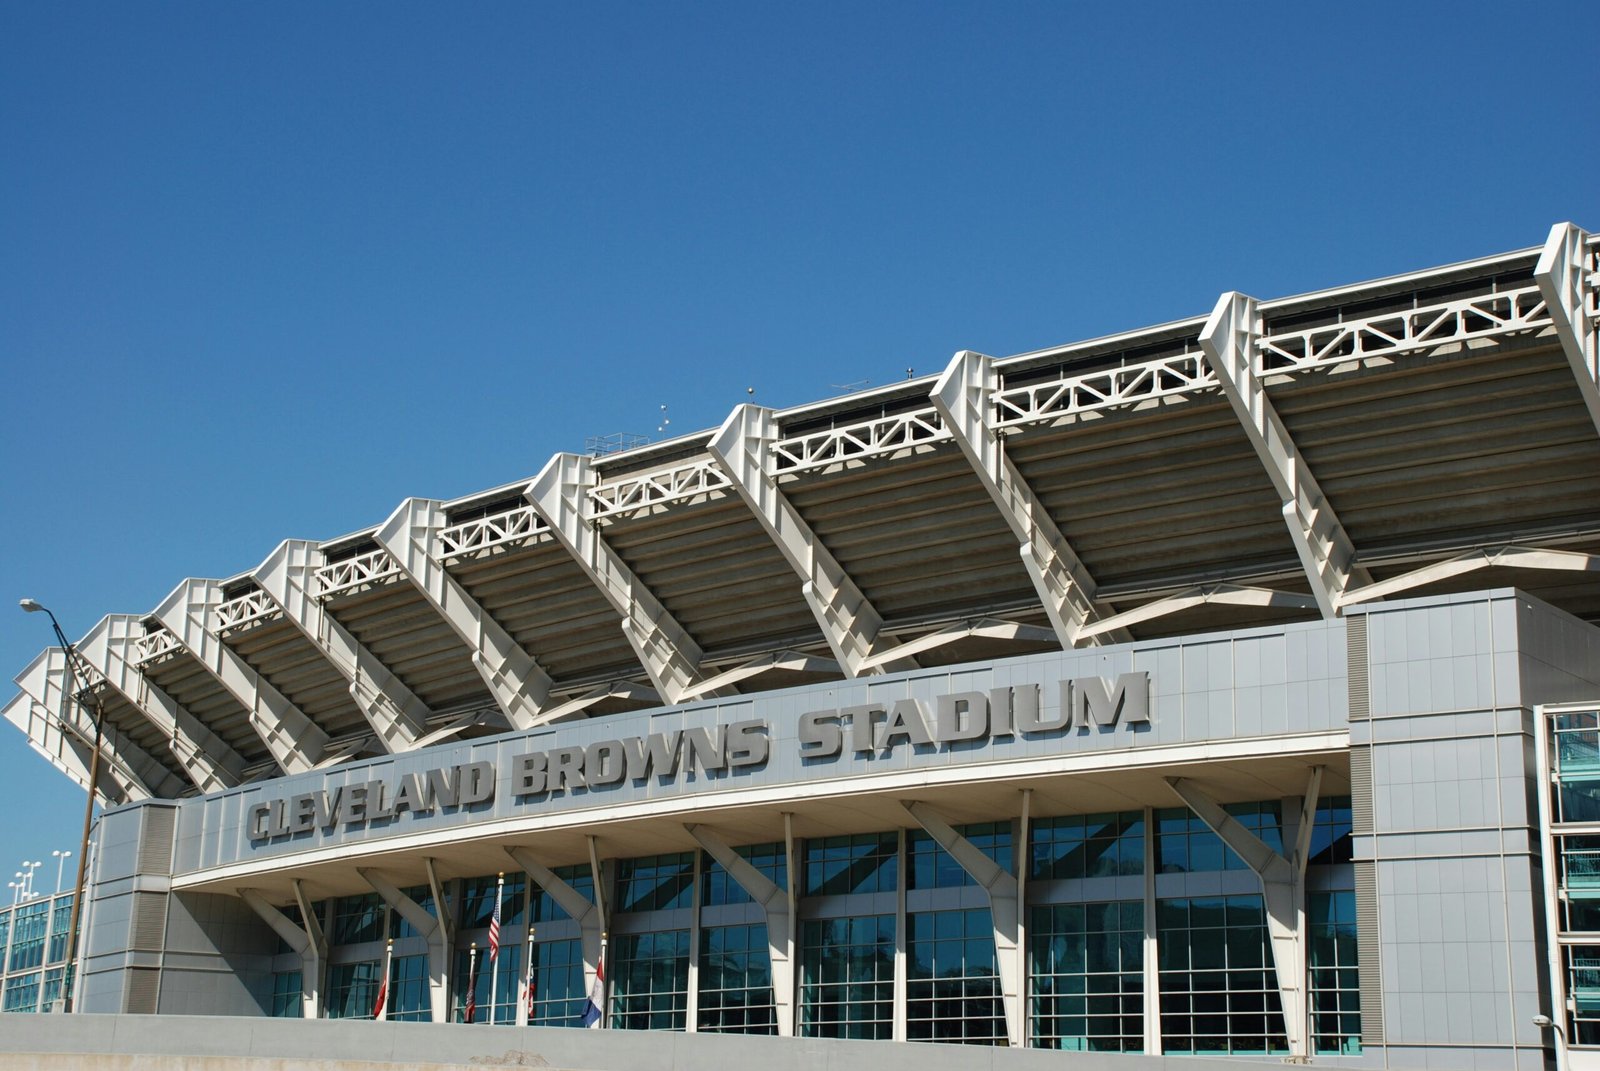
(1223, 687)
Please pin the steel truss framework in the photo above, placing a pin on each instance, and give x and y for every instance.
(966, 425)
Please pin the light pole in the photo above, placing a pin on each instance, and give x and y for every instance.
(61, 860)
(27, 879)
(73, 659)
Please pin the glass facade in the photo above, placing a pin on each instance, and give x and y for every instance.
(1086, 846)
(1572, 750)
(847, 977)
(498, 982)
(1086, 965)
(353, 989)
(1218, 990)
(407, 1000)
(1335, 984)
(953, 986)
(286, 995)
(718, 888)
(863, 862)
(650, 974)
(29, 924)
(33, 935)
(358, 919)
(558, 985)
(736, 981)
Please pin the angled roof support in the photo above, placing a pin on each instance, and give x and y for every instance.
(209, 761)
(852, 626)
(138, 773)
(1568, 275)
(519, 685)
(1230, 340)
(964, 396)
(62, 750)
(1222, 594)
(295, 742)
(671, 657)
(427, 925)
(305, 941)
(1551, 560)
(577, 707)
(780, 923)
(395, 713)
(589, 914)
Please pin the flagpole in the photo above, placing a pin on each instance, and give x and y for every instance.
(528, 988)
(494, 946)
(472, 984)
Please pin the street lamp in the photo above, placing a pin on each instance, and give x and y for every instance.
(74, 660)
(61, 859)
(27, 879)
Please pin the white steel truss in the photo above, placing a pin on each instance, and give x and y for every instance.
(851, 625)
(289, 576)
(1568, 275)
(1231, 338)
(208, 760)
(1509, 557)
(1495, 315)
(508, 528)
(295, 742)
(519, 685)
(1200, 595)
(668, 653)
(361, 571)
(62, 750)
(1125, 386)
(649, 491)
(965, 395)
(156, 643)
(241, 610)
(884, 435)
(61, 692)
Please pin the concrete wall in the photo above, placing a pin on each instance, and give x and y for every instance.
(132, 1042)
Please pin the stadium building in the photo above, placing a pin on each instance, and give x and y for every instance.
(1230, 686)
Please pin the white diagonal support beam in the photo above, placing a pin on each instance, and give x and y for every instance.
(983, 628)
(1230, 339)
(428, 926)
(671, 657)
(1283, 887)
(577, 706)
(295, 742)
(964, 396)
(519, 685)
(208, 760)
(299, 940)
(1004, 909)
(775, 903)
(791, 661)
(851, 625)
(61, 749)
(587, 913)
(138, 773)
(395, 713)
(1222, 594)
(1568, 274)
(1551, 560)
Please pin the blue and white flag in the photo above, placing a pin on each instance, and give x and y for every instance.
(592, 1013)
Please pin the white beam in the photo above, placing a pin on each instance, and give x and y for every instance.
(313, 956)
(519, 685)
(1223, 594)
(588, 914)
(851, 625)
(1568, 274)
(964, 396)
(578, 706)
(427, 926)
(671, 657)
(1005, 913)
(982, 627)
(792, 661)
(1506, 557)
(775, 902)
(395, 713)
(208, 760)
(1283, 890)
(295, 742)
(62, 750)
(1231, 339)
(136, 772)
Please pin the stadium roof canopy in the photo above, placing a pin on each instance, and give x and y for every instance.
(1275, 460)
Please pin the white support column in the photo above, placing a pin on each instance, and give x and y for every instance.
(1004, 908)
(775, 902)
(1568, 275)
(395, 713)
(1230, 340)
(964, 398)
(587, 913)
(296, 743)
(209, 761)
(298, 939)
(559, 494)
(313, 957)
(850, 623)
(136, 772)
(1283, 887)
(519, 686)
(429, 927)
(64, 750)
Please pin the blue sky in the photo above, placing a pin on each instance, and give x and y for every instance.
(265, 270)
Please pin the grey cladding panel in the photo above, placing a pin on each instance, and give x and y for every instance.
(1355, 633)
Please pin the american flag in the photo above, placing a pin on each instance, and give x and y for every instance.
(494, 927)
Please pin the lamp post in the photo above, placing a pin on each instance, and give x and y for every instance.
(73, 659)
(61, 859)
(27, 879)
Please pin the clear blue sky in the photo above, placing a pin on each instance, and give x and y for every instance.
(267, 269)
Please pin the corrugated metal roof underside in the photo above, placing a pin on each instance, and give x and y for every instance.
(406, 634)
(193, 687)
(131, 722)
(282, 654)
